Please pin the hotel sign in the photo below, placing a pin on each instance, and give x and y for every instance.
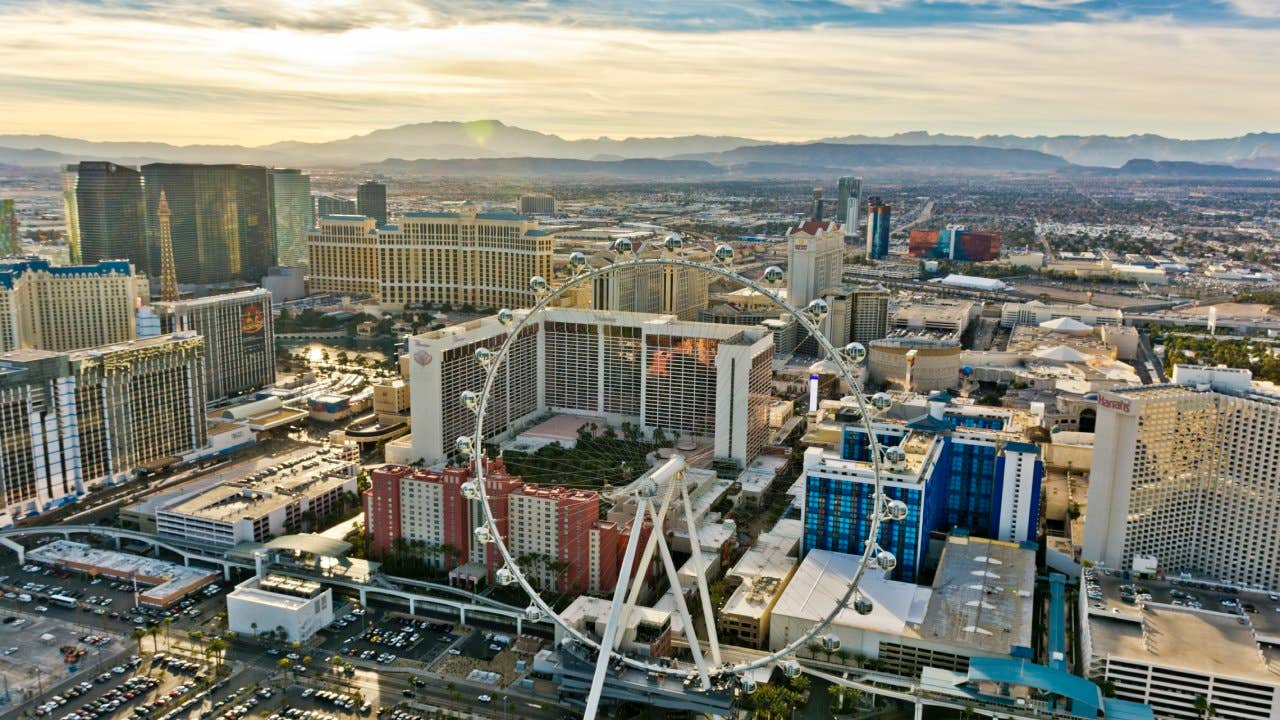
(1120, 405)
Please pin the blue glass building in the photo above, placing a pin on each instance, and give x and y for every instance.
(967, 475)
(878, 215)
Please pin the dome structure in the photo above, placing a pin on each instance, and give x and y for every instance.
(1067, 325)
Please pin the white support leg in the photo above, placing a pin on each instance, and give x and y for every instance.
(611, 627)
(695, 548)
(690, 633)
(645, 559)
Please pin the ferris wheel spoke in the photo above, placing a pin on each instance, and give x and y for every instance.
(611, 627)
(690, 632)
(646, 557)
(695, 549)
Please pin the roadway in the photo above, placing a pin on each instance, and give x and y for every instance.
(1148, 361)
(924, 216)
(385, 685)
(378, 683)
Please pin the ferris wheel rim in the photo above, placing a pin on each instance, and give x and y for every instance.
(477, 462)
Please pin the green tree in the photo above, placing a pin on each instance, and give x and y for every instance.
(217, 649)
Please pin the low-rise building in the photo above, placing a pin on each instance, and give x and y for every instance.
(1036, 312)
(759, 579)
(939, 319)
(1183, 646)
(980, 605)
(266, 504)
(276, 603)
(915, 364)
(161, 583)
(646, 632)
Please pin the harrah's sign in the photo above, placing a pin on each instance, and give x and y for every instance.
(1117, 404)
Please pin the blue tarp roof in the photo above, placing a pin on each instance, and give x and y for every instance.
(929, 423)
(1085, 697)
(1025, 447)
(1057, 621)
(1127, 710)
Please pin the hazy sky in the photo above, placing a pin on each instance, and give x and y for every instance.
(258, 71)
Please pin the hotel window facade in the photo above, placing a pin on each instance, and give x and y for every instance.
(698, 379)
(454, 258)
(1189, 478)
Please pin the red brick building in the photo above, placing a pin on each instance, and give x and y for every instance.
(555, 533)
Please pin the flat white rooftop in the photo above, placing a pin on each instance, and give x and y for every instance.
(824, 576)
(171, 577)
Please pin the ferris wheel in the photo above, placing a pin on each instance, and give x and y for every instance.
(655, 493)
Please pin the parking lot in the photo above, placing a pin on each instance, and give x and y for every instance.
(164, 689)
(1110, 591)
(32, 655)
(482, 650)
(100, 602)
(389, 638)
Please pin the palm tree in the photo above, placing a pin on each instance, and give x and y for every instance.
(800, 684)
(168, 622)
(216, 648)
(138, 634)
(1204, 708)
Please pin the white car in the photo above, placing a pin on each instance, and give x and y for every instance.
(484, 698)
(41, 608)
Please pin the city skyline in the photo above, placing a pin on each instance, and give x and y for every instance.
(277, 71)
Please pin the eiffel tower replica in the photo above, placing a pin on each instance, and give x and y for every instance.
(168, 271)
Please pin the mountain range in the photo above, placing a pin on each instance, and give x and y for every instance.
(491, 139)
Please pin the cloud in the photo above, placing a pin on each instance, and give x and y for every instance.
(1257, 8)
(335, 16)
(213, 80)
